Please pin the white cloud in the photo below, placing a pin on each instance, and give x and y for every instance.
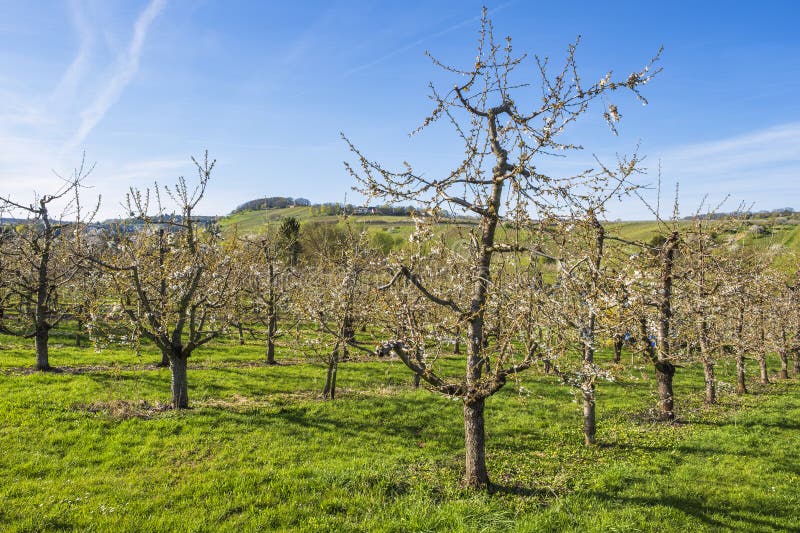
(33, 126)
(718, 160)
(66, 88)
(127, 66)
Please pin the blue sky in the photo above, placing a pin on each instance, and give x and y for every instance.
(267, 87)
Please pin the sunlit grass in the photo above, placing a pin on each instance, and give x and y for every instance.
(260, 450)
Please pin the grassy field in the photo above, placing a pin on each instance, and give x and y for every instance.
(787, 234)
(92, 447)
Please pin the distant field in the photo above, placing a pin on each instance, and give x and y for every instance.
(254, 221)
(247, 222)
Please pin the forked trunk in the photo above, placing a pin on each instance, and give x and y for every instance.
(711, 384)
(477, 476)
(180, 383)
(665, 371)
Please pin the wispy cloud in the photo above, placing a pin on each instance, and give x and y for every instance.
(718, 160)
(127, 66)
(66, 88)
(33, 127)
(414, 44)
(762, 167)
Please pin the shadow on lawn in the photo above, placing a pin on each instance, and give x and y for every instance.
(749, 515)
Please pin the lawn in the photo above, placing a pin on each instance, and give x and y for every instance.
(92, 447)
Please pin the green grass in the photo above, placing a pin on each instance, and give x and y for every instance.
(256, 221)
(246, 222)
(260, 451)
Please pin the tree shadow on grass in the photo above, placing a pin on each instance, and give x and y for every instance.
(783, 424)
(701, 512)
(684, 449)
(522, 491)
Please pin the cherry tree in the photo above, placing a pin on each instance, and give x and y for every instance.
(507, 127)
(40, 259)
(174, 279)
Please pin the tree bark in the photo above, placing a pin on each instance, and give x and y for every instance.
(796, 360)
(477, 476)
(618, 342)
(165, 359)
(762, 367)
(329, 392)
(741, 387)
(784, 355)
(708, 362)
(180, 383)
(665, 371)
(589, 420)
(42, 351)
(711, 385)
(762, 359)
(272, 329)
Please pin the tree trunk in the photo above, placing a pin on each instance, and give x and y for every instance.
(796, 360)
(589, 420)
(180, 383)
(741, 387)
(42, 354)
(477, 476)
(762, 360)
(416, 380)
(329, 392)
(240, 330)
(165, 362)
(618, 343)
(711, 384)
(272, 329)
(665, 371)
(784, 355)
(762, 367)
(78, 333)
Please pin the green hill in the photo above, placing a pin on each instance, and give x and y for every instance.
(785, 234)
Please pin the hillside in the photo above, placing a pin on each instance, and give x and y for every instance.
(249, 222)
